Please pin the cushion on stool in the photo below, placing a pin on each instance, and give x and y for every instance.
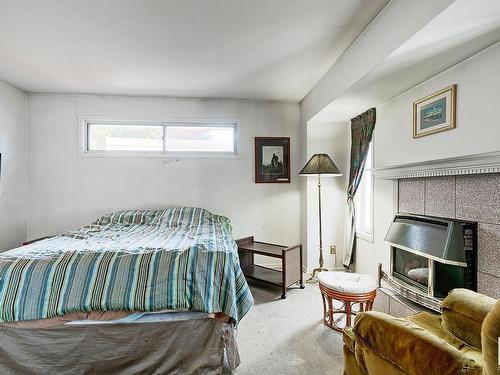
(346, 282)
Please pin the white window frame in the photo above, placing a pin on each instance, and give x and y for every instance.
(83, 133)
(366, 233)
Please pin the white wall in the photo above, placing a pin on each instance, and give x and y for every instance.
(369, 254)
(13, 174)
(478, 131)
(478, 115)
(68, 191)
(329, 138)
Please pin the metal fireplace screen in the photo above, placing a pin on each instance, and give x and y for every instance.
(432, 255)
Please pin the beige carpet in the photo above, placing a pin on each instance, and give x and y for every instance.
(287, 336)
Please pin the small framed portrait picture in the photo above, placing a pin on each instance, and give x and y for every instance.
(272, 159)
(435, 113)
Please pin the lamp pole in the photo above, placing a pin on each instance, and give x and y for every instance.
(313, 278)
(320, 226)
(319, 164)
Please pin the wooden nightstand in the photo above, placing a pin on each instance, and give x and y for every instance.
(291, 263)
(35, 240)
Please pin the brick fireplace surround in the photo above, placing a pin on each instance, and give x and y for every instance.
(474, 197)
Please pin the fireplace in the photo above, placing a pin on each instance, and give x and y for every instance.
(431, 256)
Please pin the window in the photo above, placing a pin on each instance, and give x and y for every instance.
(120, 138)
(363, 200)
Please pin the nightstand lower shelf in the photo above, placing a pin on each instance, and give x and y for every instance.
(291, 263)
(262, 273)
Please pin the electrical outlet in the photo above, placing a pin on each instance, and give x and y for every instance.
(333, 249)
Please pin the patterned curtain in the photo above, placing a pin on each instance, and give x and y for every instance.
(361, 135)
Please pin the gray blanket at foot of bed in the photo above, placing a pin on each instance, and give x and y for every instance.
(195, 346)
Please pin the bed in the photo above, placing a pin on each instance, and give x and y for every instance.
(144, 291)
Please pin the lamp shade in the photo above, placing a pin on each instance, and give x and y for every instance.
(320, 164)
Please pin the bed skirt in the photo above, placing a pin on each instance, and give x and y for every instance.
(193, 346)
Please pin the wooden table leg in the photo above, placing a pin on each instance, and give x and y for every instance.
(283, 274)
(301, 270)
(330, 310)
(324, 306)
(348, 314)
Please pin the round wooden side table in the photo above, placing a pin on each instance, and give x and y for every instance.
(349, 289)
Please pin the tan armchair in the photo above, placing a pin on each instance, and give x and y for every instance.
(462, 340)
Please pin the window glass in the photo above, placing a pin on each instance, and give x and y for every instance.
(116, 137)
(363, 199)
(184, 138)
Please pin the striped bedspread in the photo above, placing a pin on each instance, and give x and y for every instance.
(146, 260)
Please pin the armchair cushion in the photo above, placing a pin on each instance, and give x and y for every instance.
(406, 346)
(463, 314)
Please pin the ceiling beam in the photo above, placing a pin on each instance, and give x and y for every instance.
(394, 25)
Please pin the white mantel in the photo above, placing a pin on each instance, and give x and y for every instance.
(470, 164)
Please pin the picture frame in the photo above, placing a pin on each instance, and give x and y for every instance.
(435, 113)
(272, 159)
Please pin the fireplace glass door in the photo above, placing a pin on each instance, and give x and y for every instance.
(411, 268)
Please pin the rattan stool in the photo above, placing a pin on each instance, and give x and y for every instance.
(349, 289)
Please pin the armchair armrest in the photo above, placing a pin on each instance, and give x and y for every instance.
(407, 346)
(489, 338)
(464, 312)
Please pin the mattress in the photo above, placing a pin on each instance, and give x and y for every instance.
(129, 261)
(112, 317)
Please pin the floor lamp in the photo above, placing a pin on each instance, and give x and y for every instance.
(320, 164)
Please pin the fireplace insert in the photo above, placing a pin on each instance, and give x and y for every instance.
(430, 256)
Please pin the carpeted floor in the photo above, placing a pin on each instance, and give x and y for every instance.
(287, 336)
